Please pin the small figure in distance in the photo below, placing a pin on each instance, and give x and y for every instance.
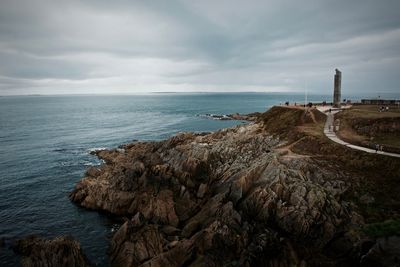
(376, 148)
(330, 110)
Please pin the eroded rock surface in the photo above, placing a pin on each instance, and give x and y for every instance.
(222, 199)
(385, 252)
(61, 251)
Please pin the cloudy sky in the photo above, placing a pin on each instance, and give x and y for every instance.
(101, 46)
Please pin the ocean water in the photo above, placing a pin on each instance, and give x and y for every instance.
(44, 150)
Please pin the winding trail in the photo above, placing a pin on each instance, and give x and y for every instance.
(287, 152)
(332, 135)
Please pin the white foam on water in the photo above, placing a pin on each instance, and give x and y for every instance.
(94, 149)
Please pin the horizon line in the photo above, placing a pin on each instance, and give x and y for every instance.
(192, 92)
(158, 92)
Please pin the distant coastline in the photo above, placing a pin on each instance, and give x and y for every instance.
(358, 96)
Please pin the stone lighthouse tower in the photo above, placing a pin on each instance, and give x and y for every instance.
(337, 91)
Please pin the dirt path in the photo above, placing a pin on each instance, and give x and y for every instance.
(332, 135)
(287, 152)
(312, 116)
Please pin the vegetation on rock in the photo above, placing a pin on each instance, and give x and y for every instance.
(271, 193)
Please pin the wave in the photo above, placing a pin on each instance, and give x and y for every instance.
(222, 117)
(98, 163)
(94, 149)
(73, 163)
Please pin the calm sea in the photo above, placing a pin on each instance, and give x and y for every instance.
(45, 143)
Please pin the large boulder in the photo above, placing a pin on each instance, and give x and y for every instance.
(384, 253)
(60, 251)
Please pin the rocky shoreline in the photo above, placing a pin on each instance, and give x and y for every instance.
(234, 116)
(60, 251)
(235, 197)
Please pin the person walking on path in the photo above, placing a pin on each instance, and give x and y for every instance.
(373, 146)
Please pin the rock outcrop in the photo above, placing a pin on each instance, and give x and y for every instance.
(228, 198)
(235, 116)
(385, 252)
(61, 251)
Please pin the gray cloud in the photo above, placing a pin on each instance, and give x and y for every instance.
(131, 46)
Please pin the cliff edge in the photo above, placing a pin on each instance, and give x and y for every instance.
(269, 193)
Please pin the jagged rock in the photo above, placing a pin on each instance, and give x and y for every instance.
(202, 190)
(384, 253)
(92, 172)
(132, 245)
(61, 251)
(367, 199)
(138, 220)
(223, 198)
(179, 255)
(170, 230)
(236, 116)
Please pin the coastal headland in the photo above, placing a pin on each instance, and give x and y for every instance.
(273, 192)
(368, 125)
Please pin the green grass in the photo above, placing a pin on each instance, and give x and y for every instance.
(381, 229)
(292, 122)
(380, 175)
(371, 112)
(388, 141)
(383, 126)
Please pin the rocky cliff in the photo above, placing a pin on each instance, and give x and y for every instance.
(61, 251)
(235, 197)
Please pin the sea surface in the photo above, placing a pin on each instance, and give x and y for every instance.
(45, 143)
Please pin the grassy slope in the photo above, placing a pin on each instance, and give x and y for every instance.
(366, 126)
(293, 123)
(380, 175)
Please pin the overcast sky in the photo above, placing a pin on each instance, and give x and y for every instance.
(102, 46)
